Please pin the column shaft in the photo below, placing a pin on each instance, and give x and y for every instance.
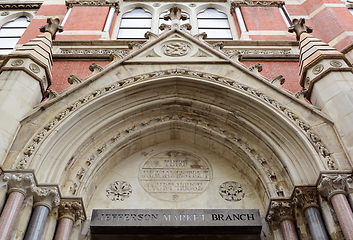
(344, 214)
(316, 224)
(64, 229)
(288, 230)
(9, 214)
(37, 223)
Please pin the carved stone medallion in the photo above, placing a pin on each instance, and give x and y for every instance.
(175, 175)
(119, 191)
(17, 62)
(318, 69)
(335, 63)
(34, 68)
(5, 13)
(176, 49)
(231, 191)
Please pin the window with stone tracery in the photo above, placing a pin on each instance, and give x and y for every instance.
(214, 23)
(11, 32)
(135, 24)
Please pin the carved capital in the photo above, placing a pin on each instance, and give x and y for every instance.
(332, 184)
(280, 210)
(299, 27)
(46, 196)
(19, 182)
(306, 197)
(71, 209)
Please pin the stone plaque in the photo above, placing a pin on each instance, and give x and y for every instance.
(175, 175)
(162, 221)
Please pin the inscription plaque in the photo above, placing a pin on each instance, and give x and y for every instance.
(175, 175)
(165, 221)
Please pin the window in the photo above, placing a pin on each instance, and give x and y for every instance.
(10, 33)
(215, 24)
(135, 24)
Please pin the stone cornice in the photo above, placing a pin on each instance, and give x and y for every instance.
(237, 4)
(111, 3)
(16, 6)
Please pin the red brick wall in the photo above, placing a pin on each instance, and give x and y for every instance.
(263, 18)
(63, 69)
(289, 70)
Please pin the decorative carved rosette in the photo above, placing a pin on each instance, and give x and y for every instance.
(306, 197)
(119, 191)
(71, 209)
(332, 184)
(280, 210)
(19, 182)
(46, 196)
(231, 191)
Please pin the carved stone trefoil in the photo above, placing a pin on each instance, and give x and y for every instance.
(280, 210)
(332, 184)
(231, 191)
(119, 191)
(306, 197)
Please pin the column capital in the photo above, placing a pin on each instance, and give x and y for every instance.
(280, 210)
(332, 184)
(19, 182)
(72, 209)
(46, 196)
(306, 197)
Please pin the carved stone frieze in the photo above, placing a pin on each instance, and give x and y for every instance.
(236, 4)
(32, 145)
(119, 191)
(19, 182)
(332, 184)
(20, 6)
(231, 191)
(89, 51)
(46, 196)
(306, 197)
(280, 210)
(112, 3)
(72, 210)
(231, 52)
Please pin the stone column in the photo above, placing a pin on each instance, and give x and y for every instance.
(70, 210)
(45, 198)
(333, 187)
(19, 185)
(306, 198)
(281, 213)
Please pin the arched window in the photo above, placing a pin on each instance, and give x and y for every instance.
(214, 23)
(135, 24)
(10, 33)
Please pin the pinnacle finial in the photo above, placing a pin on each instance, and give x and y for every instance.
(299, 27)
(175, 13)
(52, 27)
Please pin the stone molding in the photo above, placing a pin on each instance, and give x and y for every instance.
(15, 6)
(19, 182)
(111, 3)
(332, 184)
(306, 197)
(71, 209)
(46, 196)
(280, 210)
(236, 4)
(32, 146)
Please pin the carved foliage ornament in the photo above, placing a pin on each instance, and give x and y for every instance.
(119, 191)
(19, 182)
(318, 69)
(72, 210)
(112, 3)
(48, 127)
(306, 197)
(332, 184)
(46, 196)
(20, 6)
(17, 62)
(176, 49)
(231, 191)
(280, 210)
(237, 4)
